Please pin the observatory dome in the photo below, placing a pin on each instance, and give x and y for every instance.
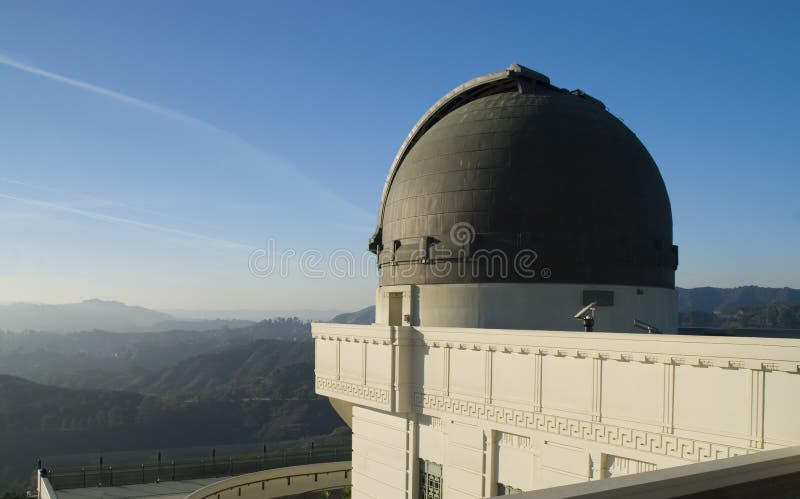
(508, 164)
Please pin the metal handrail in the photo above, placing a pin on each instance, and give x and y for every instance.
(346, 470)
(154, 472)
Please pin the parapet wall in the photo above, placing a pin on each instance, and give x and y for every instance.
(535, 409)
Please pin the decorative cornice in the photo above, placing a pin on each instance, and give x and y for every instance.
(656, 443)
(354, 339)
(342, 389)
(644, 358)
(739, 353)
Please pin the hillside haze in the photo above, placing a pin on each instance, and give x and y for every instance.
(83, 316)
(708, 299)
(97, 392)
(364, 316)
(257, 369)
(117, 317)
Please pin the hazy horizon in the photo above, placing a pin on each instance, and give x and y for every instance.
(157, 307)
(185, 312)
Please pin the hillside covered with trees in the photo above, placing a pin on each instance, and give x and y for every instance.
(98, 392)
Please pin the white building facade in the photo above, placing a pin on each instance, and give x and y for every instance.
(511, 205)
(463, 412)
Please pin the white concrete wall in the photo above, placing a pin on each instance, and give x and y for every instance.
(536, 409)
(369, 365)
(529, 306)
(477, 454)
(382, 454)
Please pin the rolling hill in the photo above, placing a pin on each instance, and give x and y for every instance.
(117, 317)
(264, 369)
(709, 299)
(83, 316)
(98, 359)
(255, 392)
(364, 316)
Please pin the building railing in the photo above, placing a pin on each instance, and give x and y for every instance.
(161, 470)
(280, 482)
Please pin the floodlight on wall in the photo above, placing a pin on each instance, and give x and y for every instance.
(586, 314)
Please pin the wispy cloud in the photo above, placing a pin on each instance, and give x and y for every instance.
(321, 191)
(127, 221)
(127, 99)
(100, 201)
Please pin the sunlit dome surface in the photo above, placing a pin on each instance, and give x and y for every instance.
(528, 166)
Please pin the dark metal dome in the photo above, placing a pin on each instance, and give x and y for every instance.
(509, 166)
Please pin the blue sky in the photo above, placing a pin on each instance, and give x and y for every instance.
(147, 148)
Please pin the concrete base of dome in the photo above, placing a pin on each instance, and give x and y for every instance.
(525, 306)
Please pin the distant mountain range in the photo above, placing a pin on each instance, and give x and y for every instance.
(98, 359)
(114, 316)
(364, 316)
(709, 299)
(255, 315)
(118, 317)
(83, 316)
